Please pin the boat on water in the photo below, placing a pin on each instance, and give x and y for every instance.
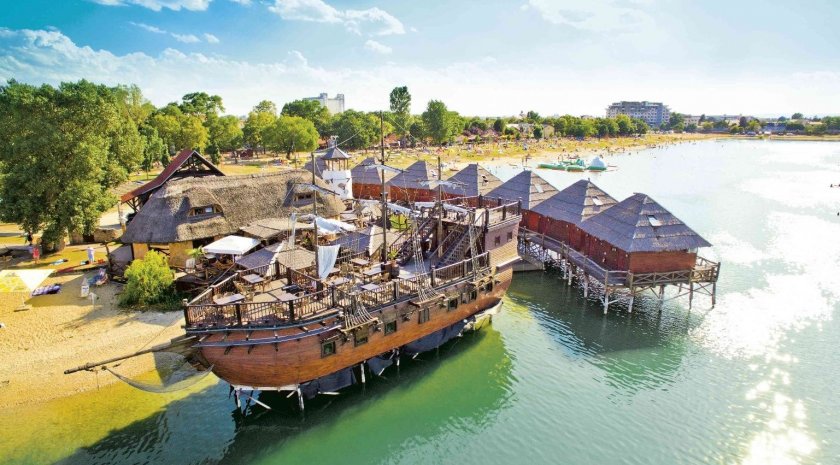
(597, 164)
(315, 329)
(576, 166)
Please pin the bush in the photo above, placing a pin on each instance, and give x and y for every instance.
(149, 282)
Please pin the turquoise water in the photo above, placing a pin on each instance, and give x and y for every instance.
(752, 381)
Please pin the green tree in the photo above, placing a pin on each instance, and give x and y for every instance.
(154, 149)
(291, 134)
(499, 125)
(201, 104)
(439, 121)
(702, 118)
(640, 126)
(533, 117)
(538, 132)
(311, 110)
(625, 125)
(754, 126)
(61, 150)
(742, 122)
(149, 281)
(224, 134)
(796, 116)
(400, 100)
(691, 128)
(178, 129)
(253, 132)
(266, 106)
(356, 130)
(676, 119)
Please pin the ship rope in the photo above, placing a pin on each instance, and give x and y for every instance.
(357, 316)
(182, 380)
(425, 290)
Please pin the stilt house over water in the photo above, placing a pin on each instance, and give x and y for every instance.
(640, 236)
(193, 212)
(471, 181)
(367, 182)
(528, 187)
(561, 214)
(412, 185)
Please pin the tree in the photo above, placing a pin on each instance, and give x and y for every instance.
(255, 127)
(742, 122)
(154, 149)
(266, 106)
(61, 150)
(702, 118)
(640, 126)
(291, 134)
(691, 128)
(675, 120)
(149, 281)
(178, 129)
(796, 116)
(401, 110)
(538, 132)
(438, 121)
(625, 125)
(201, 104)
(499, 125)
(311, 110)
(224, 134)
(533, 117)
(356, 130)
(754, 126)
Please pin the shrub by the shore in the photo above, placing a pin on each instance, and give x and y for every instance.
(150, 282)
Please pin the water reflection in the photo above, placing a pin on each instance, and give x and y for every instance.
(634, 351)
(458, 391)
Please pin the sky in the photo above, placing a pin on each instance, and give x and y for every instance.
(485, 58)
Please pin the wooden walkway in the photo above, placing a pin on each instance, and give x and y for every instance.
(617, 285)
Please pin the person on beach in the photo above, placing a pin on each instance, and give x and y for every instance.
(36, 253)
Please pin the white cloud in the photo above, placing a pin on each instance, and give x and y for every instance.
(377, 47)
(596, 15)
(211, 39)
(242, 2)
(186, 38)
(379, 21)
(147, 27)
(157, 5)
(39, 56)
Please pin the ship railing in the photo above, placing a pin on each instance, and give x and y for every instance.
(203, 312)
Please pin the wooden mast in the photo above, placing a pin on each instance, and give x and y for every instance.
(315, 213)
(382, 189)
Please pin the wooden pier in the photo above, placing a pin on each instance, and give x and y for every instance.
(614, 286)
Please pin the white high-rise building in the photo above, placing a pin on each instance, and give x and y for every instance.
(334, 105)
(652, 113)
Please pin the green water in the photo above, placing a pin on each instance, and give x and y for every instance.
(753, 381)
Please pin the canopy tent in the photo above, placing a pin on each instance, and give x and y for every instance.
(328, 226)
(231, 245)
(22, 280)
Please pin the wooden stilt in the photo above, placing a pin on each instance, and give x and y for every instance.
(300, 399)
(690, 294)
(362, 367)
(585, 286)
(632, 297)
(606, 300)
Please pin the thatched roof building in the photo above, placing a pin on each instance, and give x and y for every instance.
(198, 208)
(296, 259)
(526, 186)
(639, 224)
(471, 181)
(271, 228)
(188, 163)
(575, 203)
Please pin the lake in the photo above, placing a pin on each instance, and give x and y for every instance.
(752, 381)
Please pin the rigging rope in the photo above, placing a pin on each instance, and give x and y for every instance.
(183, 383)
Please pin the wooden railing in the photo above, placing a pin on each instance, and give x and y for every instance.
(202, 312)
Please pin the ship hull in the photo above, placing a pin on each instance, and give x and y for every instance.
(300, 356)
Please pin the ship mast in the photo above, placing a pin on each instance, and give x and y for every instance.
(315, 214)
(382, 189)
(439, 207)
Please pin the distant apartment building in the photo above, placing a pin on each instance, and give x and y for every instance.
(652, 113)
(691, 119)
(334, 105)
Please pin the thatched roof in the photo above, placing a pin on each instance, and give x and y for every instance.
(639, 224)
(271, 227)
(296, 259)
(188, 162)
(575, 203)
(527, 186)
(362, 175)
(414, 175)
(471, 181)
(367, 240)
(238, 200)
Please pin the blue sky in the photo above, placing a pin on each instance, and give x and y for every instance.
(487, 57)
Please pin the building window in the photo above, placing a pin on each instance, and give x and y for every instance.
(390, 327)
(497, 240)
(360, 340)
(473, 295)
(489, 287)
(303, 196)
(207, 210)
(424, 315)
(327, 348)
(510, 236)
(453, 304)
